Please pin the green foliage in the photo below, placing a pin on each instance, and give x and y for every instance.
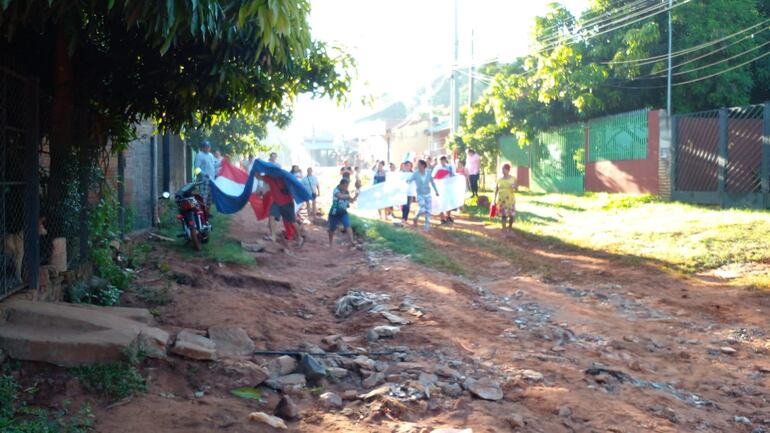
(82, 293)
(17, 417)
(624, 201)
(571, 76)
(111, 381)
(403, 241)
(236, 134)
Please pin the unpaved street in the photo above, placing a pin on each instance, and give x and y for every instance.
(571, 343)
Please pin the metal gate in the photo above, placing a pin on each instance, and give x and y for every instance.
(721, 157)
(19, 201)
(558, 160)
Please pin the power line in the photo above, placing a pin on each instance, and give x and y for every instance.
(655, 59)
(606, 16)
(689, 71)
(615, 25)
(706, 77)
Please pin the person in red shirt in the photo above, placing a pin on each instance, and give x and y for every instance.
(282, 206)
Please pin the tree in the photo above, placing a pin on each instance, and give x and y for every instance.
(106, 64)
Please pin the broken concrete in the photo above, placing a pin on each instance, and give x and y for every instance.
(63, 335)
(231, 341)
(194, 346)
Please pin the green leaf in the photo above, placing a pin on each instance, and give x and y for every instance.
(247, 392)
(110, 4)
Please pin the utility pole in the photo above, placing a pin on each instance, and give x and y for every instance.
(455, 94)
(470, 75)
(670, 34)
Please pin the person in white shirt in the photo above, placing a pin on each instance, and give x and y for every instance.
(205, 161)
(311, 183)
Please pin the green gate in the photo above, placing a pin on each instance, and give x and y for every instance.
(558, 160)
(512, 151)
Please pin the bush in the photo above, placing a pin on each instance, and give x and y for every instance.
(112, 381)
(17, 417)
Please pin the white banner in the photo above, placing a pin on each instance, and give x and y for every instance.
(451, 191)
(392, 192)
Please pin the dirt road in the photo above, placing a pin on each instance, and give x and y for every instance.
(576, 343)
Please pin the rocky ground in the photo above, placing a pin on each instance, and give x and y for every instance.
(574, 343)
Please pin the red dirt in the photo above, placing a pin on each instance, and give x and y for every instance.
(637, 320)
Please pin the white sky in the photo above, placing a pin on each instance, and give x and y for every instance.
(400, 45)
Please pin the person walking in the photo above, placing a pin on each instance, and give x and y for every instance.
(206, 166)
(282, 206)
(311, 183)
(446, 217)
(379, 177)
(338, 214)
(474, 169)
(423, 178)
(505, 199)
(407, 168)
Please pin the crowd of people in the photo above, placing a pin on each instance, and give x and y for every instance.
(421, 175)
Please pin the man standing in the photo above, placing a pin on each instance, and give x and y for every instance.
(205, 161)
(282, 206)
(311, 183)
(473, 168)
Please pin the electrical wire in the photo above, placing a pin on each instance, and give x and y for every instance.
(655, 59)
(606, 16)
(577, 37)
(664, 73)
(706, 77)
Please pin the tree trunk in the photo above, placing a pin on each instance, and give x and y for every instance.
(60, 137)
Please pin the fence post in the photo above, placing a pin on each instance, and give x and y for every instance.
(673, 122)
(722, 159)
(122, 193)
(765, 170)
(32, 182)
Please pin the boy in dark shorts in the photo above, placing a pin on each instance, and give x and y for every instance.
(338, 214)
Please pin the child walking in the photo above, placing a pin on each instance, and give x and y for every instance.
(338, 214)
(423, 179)
(505, 199)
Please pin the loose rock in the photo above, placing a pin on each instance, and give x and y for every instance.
(311, 368)
(287, 382)
(532, 375)
(282, 366)
(727, 350)
(330, 400)
(394, 319)
(286, 408)
(516, 421)
(451, 390)
(452, 430)
(565, 412)
(336, 372)
(192, 346)
(484, 388)
(357, 300)
(242, 372)
(231, 341)
(383, 331)
(272, 421)
(741, 419)
(373, 380)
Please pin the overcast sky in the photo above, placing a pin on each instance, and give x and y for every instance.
(400, 45)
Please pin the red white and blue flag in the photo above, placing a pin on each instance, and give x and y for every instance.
(232, 180)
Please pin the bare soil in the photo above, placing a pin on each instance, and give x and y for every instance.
(620, 348)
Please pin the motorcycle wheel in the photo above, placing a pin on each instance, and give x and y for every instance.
(195, 239)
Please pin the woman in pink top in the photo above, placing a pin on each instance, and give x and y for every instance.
(474, 168)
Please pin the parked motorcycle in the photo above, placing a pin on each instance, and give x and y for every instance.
(193, 215)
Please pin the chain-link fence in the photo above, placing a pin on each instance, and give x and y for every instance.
(20, 227)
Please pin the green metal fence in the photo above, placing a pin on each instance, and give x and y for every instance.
(619, 137)
(512, 151)
(558, 160)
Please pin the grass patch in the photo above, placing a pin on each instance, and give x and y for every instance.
(114, 381)
(403, 241)
(680, 237)
(220, 247)
(17, 416)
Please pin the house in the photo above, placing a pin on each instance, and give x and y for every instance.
(420, 135)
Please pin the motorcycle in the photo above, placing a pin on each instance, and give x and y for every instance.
(193, 215)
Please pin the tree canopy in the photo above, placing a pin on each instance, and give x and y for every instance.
(612, 59)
